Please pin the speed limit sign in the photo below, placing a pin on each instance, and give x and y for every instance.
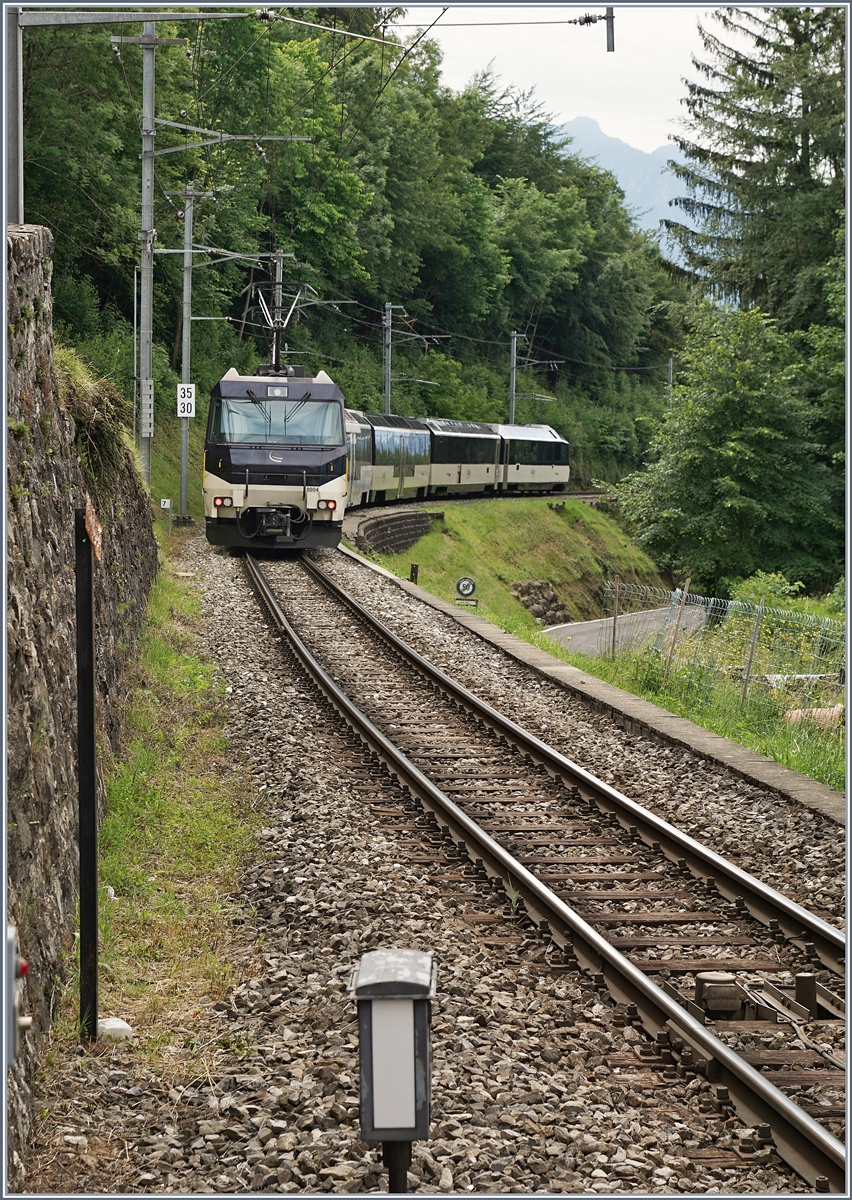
(465, 586)
(186, 400)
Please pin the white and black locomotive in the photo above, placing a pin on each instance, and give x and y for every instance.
(283, 459)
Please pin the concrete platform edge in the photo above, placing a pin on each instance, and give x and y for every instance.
(636, 715)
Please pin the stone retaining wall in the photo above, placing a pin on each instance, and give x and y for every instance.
(46, 484)
(392, 533)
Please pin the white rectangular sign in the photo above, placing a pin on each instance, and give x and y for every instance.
(186, 400)
(394, 1103)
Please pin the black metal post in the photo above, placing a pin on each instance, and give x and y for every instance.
(415, 570)
(397, 1158)
(806, 992)
(88, 815)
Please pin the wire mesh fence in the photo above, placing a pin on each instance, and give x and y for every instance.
(701, 644)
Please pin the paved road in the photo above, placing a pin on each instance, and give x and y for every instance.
(595, 637)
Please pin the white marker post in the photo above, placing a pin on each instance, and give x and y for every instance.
(168, 505)
(185, 410)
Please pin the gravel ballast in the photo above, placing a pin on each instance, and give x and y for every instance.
(535, 1087)
(797, 851)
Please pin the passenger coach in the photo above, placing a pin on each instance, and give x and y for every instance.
(534, 458)
(395, 458)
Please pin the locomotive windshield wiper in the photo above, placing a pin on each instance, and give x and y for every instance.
(265, 411)
(296, 407)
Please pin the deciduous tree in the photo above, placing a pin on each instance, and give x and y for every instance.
(737, 485)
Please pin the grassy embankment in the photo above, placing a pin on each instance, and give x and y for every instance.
(179, 824)
(499, 544)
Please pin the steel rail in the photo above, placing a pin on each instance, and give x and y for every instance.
(471, 498)
(809, 1149)
(799, 926)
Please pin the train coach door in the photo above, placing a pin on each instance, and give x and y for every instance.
(459, 473)
(400, 491)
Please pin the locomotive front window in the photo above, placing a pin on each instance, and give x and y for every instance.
(273, 421)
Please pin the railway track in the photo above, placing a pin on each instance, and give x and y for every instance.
(642, 908)
(375, 509)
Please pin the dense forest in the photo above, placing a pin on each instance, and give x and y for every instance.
(464, 208)
(470, 213)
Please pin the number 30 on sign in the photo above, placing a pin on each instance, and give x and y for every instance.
(186, 400)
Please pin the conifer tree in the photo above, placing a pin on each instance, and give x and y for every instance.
(764, 171)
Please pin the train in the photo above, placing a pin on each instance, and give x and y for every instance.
(284, 458)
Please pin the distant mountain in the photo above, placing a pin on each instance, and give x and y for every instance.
(647, 183)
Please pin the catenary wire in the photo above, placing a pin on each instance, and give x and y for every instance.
(437, 329)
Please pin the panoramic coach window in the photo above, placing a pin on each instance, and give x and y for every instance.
(531, 453)
(452, 448)
(299, 422)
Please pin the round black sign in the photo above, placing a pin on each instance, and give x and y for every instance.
(465, 586)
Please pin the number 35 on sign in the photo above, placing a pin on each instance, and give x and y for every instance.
(186, 400)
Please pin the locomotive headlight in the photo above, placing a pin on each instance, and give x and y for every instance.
(322, 504)
(218, 501)
(331, 504)
(223, 501)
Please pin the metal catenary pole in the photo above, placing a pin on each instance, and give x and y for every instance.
(146, 237)
(513, 361)
(186, 345)
(387, 356)
(147, 234)
(387, 321)
(189, 196)
(610, 31)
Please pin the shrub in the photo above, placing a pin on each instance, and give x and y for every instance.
(101, 415)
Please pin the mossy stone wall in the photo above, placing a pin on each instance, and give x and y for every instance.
(45, 485)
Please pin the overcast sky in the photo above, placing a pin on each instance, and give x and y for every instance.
(634, 94)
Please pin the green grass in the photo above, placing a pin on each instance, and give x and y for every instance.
(759, 724)
(178, 826)
(165, 466)
(501, 543)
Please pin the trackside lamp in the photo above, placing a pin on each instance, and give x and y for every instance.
(394, 990)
